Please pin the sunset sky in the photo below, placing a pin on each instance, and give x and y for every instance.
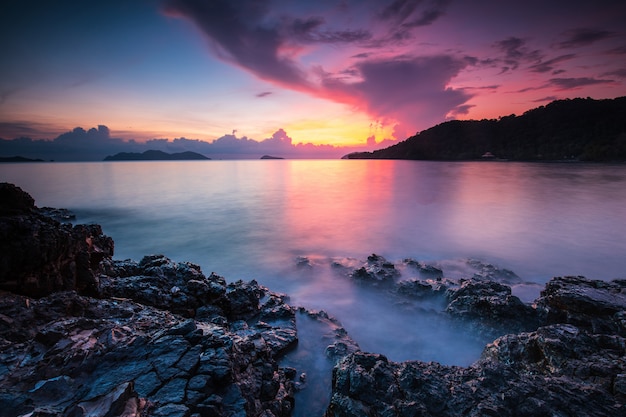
(338, 72)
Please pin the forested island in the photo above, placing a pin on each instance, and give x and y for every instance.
(154, 155)
(573, 129)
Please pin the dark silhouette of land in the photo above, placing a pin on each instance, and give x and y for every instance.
(18, 159)
(574, 129)
(152, 155)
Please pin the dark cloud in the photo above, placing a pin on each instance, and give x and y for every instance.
(402, 16)
(96, 143)
(311, 30)
(620, 73)
(76, 145)
(23, 128)
(515, 53)
(240, 34)
(549, 65)
(262, 39)
(264, 94)
(576, 38)
(413, 13)
(545, 99)
(574, 83)
(412, 91)
(620, 50)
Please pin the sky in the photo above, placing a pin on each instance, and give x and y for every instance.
(354, 74)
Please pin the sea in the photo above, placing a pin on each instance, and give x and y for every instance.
(265, 219)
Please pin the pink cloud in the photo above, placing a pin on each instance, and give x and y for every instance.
(409, 90)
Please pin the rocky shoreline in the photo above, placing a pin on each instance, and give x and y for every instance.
(82, 334)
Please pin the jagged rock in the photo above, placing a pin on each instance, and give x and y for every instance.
(559, 369)
(139, 348)
(377, 271)
(597, 306)
(423, 288)
(158, 281)
(38, 255)
(14, 200)
(491, 307)
(425, 270)
(79, 356)
(492, 272)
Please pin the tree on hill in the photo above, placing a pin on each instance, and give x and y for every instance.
(572, 129)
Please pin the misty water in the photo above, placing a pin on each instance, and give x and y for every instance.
(256, 219)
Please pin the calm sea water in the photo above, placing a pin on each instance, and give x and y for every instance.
(252, 219)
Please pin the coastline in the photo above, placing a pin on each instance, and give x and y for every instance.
(160, 338)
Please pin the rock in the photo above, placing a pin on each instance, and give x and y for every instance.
(377, 271)
(557, 369)
(491, 308)
(424, 270)
(13, 200)
(38, 255)
(137, 348)
(597, 306)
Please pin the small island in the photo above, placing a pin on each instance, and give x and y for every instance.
(271, 157)
(18, 159)
(153, 155)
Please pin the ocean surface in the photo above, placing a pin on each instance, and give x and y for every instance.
(259, 219)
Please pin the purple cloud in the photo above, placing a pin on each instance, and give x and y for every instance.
(576, 38)
(620, 73)
(515, 52)
(409, 13)
(412, 91)
(545, 99)
(267, 41)
(547, 66)
(240, 35)
(574, 83)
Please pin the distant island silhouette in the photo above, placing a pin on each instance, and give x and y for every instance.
(153, 155)
(573, 129)
(18, 159)
(271, 157)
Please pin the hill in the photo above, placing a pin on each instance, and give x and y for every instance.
(573, 129)
(153, 155)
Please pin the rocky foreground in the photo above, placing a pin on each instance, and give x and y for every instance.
(82, 334)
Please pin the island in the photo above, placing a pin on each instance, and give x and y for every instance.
(18, 159)
(271, 157)
(564, 130)
(154, 155)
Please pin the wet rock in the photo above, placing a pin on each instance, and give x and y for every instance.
(425, 271)
(493, 273)
(558, 369)
(377, 271)
(597, 306)
(38, 255)
(14, 200)
(139, 347)
(491, 308)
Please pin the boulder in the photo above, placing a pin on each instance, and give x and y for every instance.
(596, 306)
(38, 255)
